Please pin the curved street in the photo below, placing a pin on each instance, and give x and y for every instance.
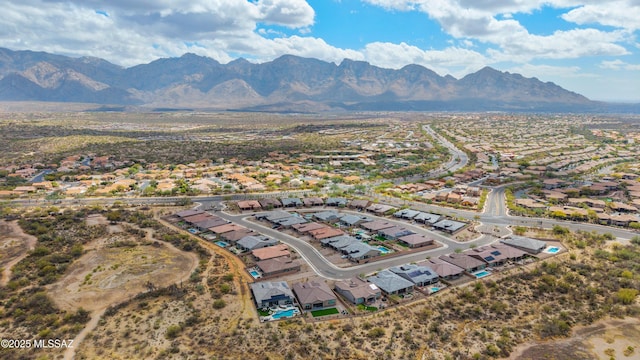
(493, 216)
(459, 158)
(327, 269)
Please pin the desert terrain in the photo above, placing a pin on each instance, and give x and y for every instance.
(14, 244)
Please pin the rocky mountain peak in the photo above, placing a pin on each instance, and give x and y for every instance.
(286, 82)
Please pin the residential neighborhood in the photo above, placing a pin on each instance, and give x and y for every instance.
(420, 233)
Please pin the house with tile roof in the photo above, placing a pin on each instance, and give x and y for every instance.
(358, 291)
(271, 252)
(314, 295)
(527, 244)
(278, 266)
(445, 270)
(391, 283)
(468, 263)
(253, 242)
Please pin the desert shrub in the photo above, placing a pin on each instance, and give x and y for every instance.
(219, 304)
(492, 350)
(225, 288)
(173, 331)
(626, 296)
(553, 327)
(375, 333)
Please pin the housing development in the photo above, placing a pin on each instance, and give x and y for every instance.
(347, 236)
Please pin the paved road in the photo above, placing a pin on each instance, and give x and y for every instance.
(163, 200)
(459, 158)
(328, 270)
(39, 177)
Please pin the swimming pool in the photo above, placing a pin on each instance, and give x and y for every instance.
(283, 314)
(255, 274)
(481, 274)
(222, 244)
(383, 249)
(193, 231)
(434, 289)
(552, 249)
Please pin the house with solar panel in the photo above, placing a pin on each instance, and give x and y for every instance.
(496, 254)
(417, 274)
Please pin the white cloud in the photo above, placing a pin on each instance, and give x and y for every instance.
(619, 14)
(454, 61)
(561, 45)
(481, 20)
(143, 30)
(305, 47)
(401, 5)
(619, 65)
(291, 13)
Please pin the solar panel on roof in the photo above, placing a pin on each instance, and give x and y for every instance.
(496, 253)
(489, 258)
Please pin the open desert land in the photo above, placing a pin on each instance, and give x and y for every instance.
(607, 339)
(81, 266)
(14, 245)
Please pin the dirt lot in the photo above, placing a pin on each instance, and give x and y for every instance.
(613, 338)
(14, 245)
(108, 274)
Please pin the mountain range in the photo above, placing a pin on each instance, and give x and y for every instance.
(286, 84)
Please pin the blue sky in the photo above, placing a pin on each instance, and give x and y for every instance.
(589, 46)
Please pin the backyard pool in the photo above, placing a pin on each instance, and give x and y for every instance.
(284, 314)
(481, 274)
(222, 244)
(193, 231)
(552, 249)
(383, 249)
(255, 273)
(434, 289)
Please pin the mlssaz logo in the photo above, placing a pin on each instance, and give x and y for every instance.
(52, 344)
